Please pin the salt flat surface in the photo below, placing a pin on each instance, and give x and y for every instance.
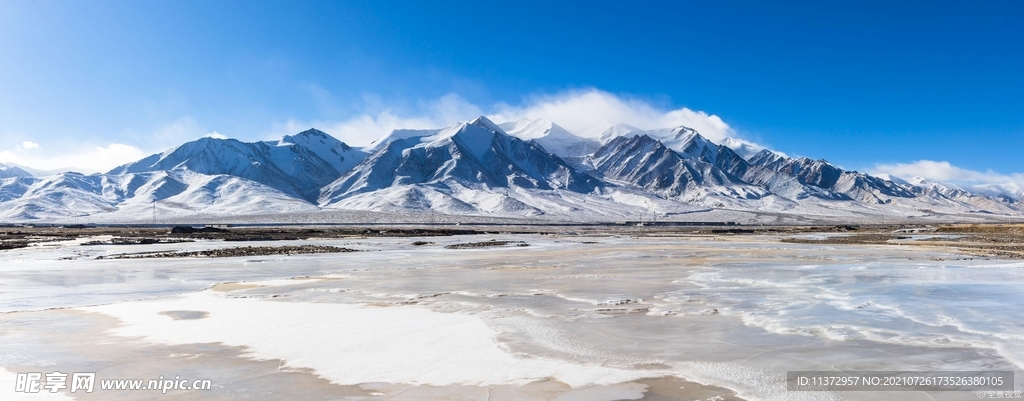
(595, 314)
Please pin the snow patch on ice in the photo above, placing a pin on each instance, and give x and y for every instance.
(353, 344)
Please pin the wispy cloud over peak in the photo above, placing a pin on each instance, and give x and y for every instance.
(986, 182)
(586, 112)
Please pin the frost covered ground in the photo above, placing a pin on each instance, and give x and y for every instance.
(600, 317)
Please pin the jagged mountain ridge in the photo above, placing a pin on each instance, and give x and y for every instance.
(13, 171)
(450, 163)
(298, 165)
(650, 165)
(794, 179)
(208, 175)
(536, 168)
(821, 174)
(173, 192)
(690, 148)
(336, 153)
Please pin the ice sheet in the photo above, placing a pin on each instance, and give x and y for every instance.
(731, 311)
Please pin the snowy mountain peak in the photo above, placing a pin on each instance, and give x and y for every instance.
(742, 147)
(459, 168)
(527, 129)
(307, 137)
(618, 130)
(683, 132)
(678, 138)
(12, 171)
(1008, 191)
(487, 124)
(646, 163)
(916, 180)
(311, 134)
(552, 137)
(297, 165)
(399, 134)
(337, 153)
(692, 144)
(768, 159)
(685, 140)
(475, 136)
(212, 147)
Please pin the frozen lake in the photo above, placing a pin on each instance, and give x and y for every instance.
(566, 317)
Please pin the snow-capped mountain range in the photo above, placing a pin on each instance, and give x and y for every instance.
(519, 169)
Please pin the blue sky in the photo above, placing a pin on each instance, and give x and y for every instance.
(867, 85)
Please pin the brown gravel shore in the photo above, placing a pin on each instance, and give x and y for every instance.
(978, 240)
(234, 252)
(1003, 241)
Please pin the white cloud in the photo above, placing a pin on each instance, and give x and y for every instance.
(946, 172)
(102, 155)
(181, 130)
(584, 112)
(86, 159)
(216, 135)
(988, 181)
(591, 112)
(380, 120)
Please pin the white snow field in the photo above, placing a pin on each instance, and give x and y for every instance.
(601, 317)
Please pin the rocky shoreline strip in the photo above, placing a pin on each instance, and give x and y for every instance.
(236, 252)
